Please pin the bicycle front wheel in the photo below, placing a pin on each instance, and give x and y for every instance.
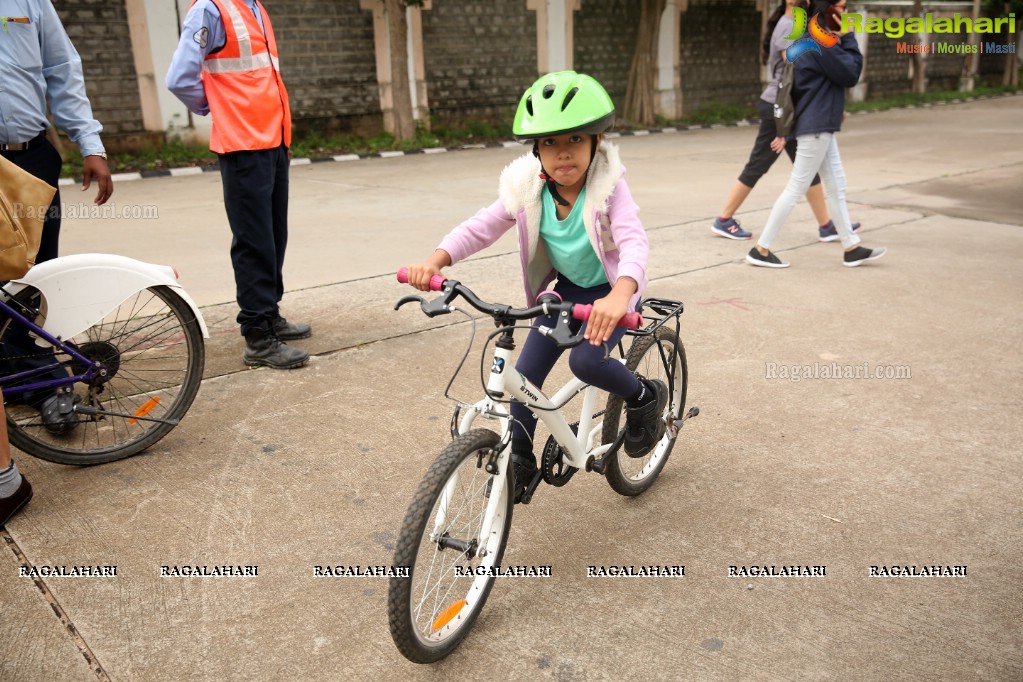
(450, 557)
(154, 353)
(660, 356)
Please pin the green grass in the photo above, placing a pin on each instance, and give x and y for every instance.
(176, 154)
(715, 113)
(916, 99)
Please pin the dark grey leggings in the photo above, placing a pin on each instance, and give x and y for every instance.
(540, 354)
(762, 157)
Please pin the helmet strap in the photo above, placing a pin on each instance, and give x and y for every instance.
(552, 186)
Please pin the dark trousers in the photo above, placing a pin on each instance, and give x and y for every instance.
(256, 198)
(762, 157)
(540, 354)
(17, 350)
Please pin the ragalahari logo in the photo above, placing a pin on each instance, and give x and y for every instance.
(817, 37)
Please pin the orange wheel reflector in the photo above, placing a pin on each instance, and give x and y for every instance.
(146, 407)
(448, 614)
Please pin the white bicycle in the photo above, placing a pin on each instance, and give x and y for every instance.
(455, 531)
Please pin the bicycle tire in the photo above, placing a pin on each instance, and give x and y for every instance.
(425, 635)
(155, 343)
(631, 476)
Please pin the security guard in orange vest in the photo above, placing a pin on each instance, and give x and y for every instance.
(226, 65)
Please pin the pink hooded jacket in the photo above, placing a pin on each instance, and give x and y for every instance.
(610, 215)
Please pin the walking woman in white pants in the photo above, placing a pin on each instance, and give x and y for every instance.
(821, 78)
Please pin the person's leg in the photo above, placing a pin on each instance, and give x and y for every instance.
(285, 330)
(734, 200)
(810, 152)
(761, 158)
(815, 197)
(833, 177)
(537, 359)
(251, 186)
(279, 214)
(248, 179)
(17, 346)
(5, 446)
(15, 491)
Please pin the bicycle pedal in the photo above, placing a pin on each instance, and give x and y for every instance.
(527, 494)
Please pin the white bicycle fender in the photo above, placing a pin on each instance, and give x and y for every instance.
(80, 290)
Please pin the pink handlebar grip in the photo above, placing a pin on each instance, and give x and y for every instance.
(436, 282)
(629, 321)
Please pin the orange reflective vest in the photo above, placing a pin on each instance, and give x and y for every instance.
(248, 100)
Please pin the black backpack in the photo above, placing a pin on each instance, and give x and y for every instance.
(784, 108)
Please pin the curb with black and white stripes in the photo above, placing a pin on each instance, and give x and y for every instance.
(199, 170)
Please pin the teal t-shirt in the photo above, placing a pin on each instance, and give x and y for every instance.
(568, 247)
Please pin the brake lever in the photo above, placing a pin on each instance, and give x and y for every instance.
(438, 306)
(562, 333)
(409, 299)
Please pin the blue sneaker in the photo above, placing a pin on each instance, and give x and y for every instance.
(730, 229)
(829, 232)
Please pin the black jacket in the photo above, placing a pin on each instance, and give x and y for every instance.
(818, 90)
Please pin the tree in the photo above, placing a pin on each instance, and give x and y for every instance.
(1003, 8)
(401, 97)
(641, 91)
(1010, 73)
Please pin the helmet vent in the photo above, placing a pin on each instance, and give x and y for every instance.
(548, 90)
(529, 105)
(568, 98)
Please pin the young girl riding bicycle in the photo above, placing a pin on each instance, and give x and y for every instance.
(578, 224)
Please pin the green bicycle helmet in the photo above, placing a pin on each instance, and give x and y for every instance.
(563, 102)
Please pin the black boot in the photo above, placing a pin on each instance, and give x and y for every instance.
(262, 347)
(289, 331)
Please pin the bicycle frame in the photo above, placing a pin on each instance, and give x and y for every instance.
(10, 391)
(578, 447)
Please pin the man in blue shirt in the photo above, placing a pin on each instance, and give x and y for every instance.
(39, 63)
(226, 66)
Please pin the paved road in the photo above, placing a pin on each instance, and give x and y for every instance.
(288, 470)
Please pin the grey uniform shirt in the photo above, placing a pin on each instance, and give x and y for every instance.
(774, 59)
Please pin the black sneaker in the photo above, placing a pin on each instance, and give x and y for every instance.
(861, 255)
(524, 467)
(768, 261)
(263, 348)
(58, 413)
(644, 425)
(9, 506)
(290, 331)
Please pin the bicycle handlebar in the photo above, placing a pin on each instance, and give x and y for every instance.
(436, 282)
(631, 320)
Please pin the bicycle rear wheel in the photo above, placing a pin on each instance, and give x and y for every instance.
(660, 356)
(432, 609)
(153, 348)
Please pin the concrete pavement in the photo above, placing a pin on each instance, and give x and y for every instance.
(288, 470)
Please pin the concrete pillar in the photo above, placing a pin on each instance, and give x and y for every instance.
(416, 65)
(668, 102)
(554, 32)
(154, 27)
